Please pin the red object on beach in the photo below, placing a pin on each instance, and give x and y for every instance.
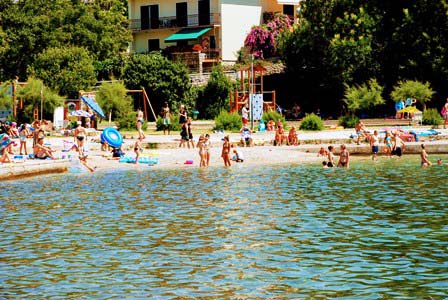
(188, 162)
(407, 137)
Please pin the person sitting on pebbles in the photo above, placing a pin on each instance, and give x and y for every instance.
(41, 151)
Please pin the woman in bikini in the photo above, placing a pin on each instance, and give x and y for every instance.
(139, 123)
(138, 148)
(207, 146)
(202, 150)
(388, 142)
(344, 157)
(424, 156)
(80, 136)
(226, 151)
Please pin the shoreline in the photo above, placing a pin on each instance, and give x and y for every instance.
(171, 157)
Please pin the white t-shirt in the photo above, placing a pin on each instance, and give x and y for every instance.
(245, 113)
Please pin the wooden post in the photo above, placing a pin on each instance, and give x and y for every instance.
(14, 100)
(273, 100)
(150, 106)
(144, 106)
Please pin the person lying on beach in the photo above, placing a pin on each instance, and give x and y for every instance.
(41, 151)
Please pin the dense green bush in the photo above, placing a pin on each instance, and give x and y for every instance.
(215, 95)
(228, 121)
(432, 117)
(312, 122)
(175, 126)
(127, 121)
(275, 116)
(349, 121)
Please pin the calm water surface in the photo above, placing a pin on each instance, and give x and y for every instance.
(376, 231)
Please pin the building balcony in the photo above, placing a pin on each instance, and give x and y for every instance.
(174, 22)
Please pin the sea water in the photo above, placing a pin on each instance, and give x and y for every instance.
(375, 231)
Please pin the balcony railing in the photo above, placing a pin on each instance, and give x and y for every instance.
(175, 22)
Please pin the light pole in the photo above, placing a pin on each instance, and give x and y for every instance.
(251, 93)
(41, 102)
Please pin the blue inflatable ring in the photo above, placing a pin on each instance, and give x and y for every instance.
(112, 137)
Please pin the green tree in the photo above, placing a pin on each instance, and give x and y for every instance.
(35, 93)
(67, 70)
(6, 101)
(422, 92)
(162, 79)
(31, 26)
(364, 96)
(113, 97)
(215, 96)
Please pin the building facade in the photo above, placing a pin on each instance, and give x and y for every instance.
(199, 32)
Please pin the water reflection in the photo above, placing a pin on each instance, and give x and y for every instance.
(372, 232)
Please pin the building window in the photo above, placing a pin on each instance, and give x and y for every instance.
(204, 12)
(182, 14)
(289, 11)
(149, 16)
(153, 45)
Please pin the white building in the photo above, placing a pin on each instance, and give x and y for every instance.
(183, 27)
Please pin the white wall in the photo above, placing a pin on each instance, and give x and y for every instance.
(237, 17)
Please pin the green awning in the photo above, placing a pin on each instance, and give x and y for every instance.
(187, 34)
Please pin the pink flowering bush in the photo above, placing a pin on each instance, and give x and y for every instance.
(262, 40)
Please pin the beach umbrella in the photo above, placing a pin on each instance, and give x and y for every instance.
(409, 109)
(93, 105)
(79, 113)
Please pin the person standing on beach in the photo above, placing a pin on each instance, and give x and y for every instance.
(397, 145)
(207, 146)
(190, 134)
(344, 157)
(245, 114)
(138, 148)
(139, 123)
(182, 114)
(225, 154)
(388, 143)
(202, 151)
(166, 118)
(80, 137)
(184, 136)
(424, 156)
(374, 144)
(24, 132)
(445, 113)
